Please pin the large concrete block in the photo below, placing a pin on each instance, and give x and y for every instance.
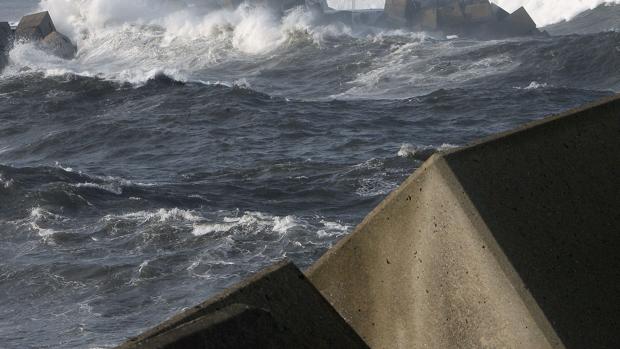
(59, 45)
(499, 12)
(34, 27)
(511, 242)
(299, 314)
(398, 11)
(451, 15)
(480, 12)
(518, 23)
(234, 326)
(5, 35)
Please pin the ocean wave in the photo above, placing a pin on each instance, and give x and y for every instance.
(408, 150)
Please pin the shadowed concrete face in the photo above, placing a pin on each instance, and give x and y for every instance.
(550, 195)
(509, 243)
(294, 314)
(234, 326)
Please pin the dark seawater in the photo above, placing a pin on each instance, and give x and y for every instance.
(160, 167)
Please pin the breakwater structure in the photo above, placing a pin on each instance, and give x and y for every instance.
(39, 29)
(470, 18)
(510, 242)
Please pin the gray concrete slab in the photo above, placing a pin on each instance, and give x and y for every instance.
(511, 242)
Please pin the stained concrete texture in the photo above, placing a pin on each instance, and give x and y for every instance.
(34, 27)
(293, 315)
(511, 242)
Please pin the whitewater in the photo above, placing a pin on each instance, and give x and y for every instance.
(187, 147)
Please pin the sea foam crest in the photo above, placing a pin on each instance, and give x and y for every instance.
(135, 41)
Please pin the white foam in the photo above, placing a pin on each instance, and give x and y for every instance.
(534, 85)
(160, 215)
(110, 187)
(6, 183)
(249, 222)
(407, 150)
(38, 214)
(134, 41)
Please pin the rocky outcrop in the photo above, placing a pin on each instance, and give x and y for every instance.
(39, 28)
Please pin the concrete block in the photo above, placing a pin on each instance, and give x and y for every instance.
(426, 19)
(6, 41)
(518, 23)
(480, 12)
(511, 242)
(34, 27)
(283, 291)
(59, 45)
(451, 15)
(234, 326)
(5, 35)
(499, 12)
(398, 10)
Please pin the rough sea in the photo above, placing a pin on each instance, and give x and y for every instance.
(186, 148)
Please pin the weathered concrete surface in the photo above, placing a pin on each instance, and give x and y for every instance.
(509, 243)
(298, 312)
(234, 326)
(34, 27)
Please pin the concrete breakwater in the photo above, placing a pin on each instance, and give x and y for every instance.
(38, 28)
(510, 242)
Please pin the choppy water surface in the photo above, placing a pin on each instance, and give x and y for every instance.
(186, 148)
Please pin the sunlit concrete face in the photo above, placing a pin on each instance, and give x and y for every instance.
(507, 243)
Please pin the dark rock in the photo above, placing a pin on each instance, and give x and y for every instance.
(34, 27)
